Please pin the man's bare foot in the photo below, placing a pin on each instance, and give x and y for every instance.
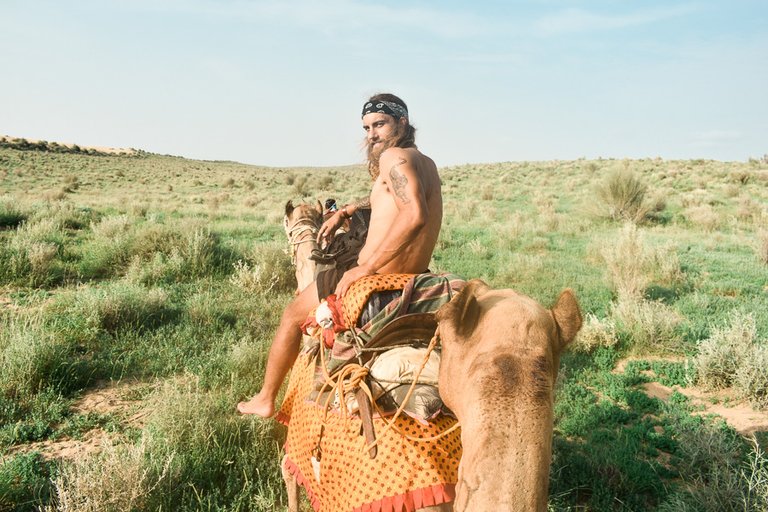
(258, 405)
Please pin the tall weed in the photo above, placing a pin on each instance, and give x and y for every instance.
(627, 263)
(117, 479)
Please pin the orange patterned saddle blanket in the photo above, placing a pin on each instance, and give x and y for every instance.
(328, 455)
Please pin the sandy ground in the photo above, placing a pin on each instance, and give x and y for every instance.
(106, 398)
(737, 413)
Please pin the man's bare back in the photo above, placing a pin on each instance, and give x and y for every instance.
(387, 190)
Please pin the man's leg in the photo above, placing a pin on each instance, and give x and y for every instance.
(282, 354)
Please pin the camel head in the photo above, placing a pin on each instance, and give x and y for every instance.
(303, 213)
(301, 223)
(500, 355)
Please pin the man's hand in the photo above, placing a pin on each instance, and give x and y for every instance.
(329, 227)
(350, 276)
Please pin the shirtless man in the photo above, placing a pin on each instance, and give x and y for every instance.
(406, 214)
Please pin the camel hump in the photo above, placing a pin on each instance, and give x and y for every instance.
(567, 316)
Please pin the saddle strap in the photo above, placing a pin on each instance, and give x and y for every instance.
(366, 416)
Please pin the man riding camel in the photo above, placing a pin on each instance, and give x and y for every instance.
(406, 214)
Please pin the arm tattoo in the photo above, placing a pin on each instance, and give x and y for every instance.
(362, 203)
(398, 181)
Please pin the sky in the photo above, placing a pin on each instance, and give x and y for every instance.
(282, 83)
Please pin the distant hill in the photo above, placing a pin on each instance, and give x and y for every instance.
(57, 147)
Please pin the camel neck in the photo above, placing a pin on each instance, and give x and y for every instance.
(505, 467)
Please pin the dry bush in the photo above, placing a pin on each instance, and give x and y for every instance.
(751, 377)
(722, 354)
(55, 195)
(268, 269)
(117, 479)
(41, 256)
(747, 209)
(109, 228)
(665, 265)
(622, 196)
(301, 186)
(762, 246)
(595, 333)
(627, 263)
(545, 206)
(649, 326)
(704, 216)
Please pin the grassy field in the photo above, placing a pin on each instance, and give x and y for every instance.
(158, 282)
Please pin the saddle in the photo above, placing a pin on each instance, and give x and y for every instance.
(345, 247)
(391, 349)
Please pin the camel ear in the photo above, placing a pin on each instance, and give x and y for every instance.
(319, 207)
(461, 314)
(567, 316)
(289, 207)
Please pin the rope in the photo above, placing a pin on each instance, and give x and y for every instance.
(297, 238)
(352, 376)
(391, 423)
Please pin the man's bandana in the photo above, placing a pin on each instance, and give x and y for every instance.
(385, 107)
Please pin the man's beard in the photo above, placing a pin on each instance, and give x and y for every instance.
(375, 149)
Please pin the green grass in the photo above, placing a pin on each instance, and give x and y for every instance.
(174, 273)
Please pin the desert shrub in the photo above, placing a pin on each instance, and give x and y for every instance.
(47, 230)
(267, 269)
(115, 306)
(301, 186)
(751, 377)
(595, 333)
(11, 215)
(761, 246)
(118, 478)
(704, 216)
(622, 196)
(33, 357)
(721, 355)
(646, 326)
(627, 263)
(111, 227)
(201, 250)
(665, 265)
(159, 269)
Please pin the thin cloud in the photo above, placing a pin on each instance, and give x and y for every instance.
(711, 137)
(330, 16)
(571, 21)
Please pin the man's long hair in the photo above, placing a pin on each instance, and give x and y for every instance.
(403, 136)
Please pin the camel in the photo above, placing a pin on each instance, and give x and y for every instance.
(301, 223)
(500, 357)
(506, 348)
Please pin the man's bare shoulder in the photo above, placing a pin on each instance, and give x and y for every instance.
(410, 157)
